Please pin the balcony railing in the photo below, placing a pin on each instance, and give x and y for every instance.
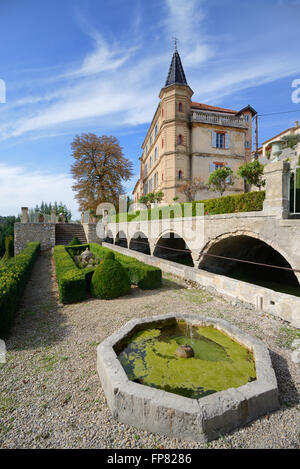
(217, 119)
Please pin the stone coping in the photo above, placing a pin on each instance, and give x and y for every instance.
(180, 417)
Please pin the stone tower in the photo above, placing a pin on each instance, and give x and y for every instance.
(175, 129)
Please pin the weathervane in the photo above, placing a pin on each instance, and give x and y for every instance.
(175, 43)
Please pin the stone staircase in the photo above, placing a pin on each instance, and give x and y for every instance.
(65, 232)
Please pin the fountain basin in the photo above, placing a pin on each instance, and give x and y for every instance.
(204, 416)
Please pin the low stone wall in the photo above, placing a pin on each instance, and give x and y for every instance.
(287, 307)
(27, 232)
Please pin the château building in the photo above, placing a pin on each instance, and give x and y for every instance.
(186, 140)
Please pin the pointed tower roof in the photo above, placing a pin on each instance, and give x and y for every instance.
(176, 74)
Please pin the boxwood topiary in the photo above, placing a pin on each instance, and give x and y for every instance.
(110, 280)
(109, 255)
(75, 241)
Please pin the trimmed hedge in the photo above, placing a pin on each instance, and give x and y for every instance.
(146, 277)
(13, 277)
(74, 284)
(246, 202)
(71, 280)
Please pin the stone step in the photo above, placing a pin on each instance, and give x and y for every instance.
(65, 232)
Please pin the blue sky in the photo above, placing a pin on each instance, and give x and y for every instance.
(73, 66)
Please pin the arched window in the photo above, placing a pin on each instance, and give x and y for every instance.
(180, 139)
(180, 107)
(180, 174)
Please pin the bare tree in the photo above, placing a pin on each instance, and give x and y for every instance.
(190, 188)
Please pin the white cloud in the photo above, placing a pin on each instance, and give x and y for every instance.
(21, 187)
(119, 84)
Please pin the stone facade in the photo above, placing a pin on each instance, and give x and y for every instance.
(90, 230)
(28, 232)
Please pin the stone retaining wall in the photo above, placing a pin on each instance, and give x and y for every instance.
(287, 307)
(28, 232)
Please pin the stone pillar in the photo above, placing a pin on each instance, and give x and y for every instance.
(277, 189)
(24, 216)
(53, 215)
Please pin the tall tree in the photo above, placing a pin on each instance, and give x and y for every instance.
(99, 170)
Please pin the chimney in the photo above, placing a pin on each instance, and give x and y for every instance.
(296, 123)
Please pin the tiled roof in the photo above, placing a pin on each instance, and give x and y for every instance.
(207, 107)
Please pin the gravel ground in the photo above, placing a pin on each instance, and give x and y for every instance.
(50, 393)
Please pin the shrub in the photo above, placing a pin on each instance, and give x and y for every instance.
(71, 281)
(109, 255)
(248, 202)
(110, 280)
(75, 241)
(13, 277)
(146, 277)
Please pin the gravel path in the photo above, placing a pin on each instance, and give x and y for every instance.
(50, 393)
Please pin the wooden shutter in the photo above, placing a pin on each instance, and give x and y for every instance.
(212, 167)
(227, 140)
(214, 139)
(229, 178)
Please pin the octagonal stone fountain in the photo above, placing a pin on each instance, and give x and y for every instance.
(186, 376)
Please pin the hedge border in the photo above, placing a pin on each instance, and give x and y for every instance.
(13, 278)
(235, 203)
(74, 283)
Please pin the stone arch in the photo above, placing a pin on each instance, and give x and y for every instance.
(109, 238)
(121, 239)
(140, 242)
(171, 246)
(249, 246)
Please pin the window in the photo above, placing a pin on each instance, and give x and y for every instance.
(221, 140)
(162, 112)
(216, 165)
(155, 154)
(162, 143)
(180, 140)
(247, 144)
(180, 108)
(150, 140)
(180, 174)
(146, 169)
(247, 118)
(150, 161)
(155, 131)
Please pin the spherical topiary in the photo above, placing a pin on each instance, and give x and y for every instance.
(109, 280)
(109, 255)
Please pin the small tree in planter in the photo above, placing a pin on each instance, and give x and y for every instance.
(220, 179)
(253, 173)
(158, 196)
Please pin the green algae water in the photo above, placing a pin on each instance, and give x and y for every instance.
(219, 362)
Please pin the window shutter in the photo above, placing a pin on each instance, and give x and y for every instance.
(214, 139)
(212, 167)
(227, 140)
(227, 180)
